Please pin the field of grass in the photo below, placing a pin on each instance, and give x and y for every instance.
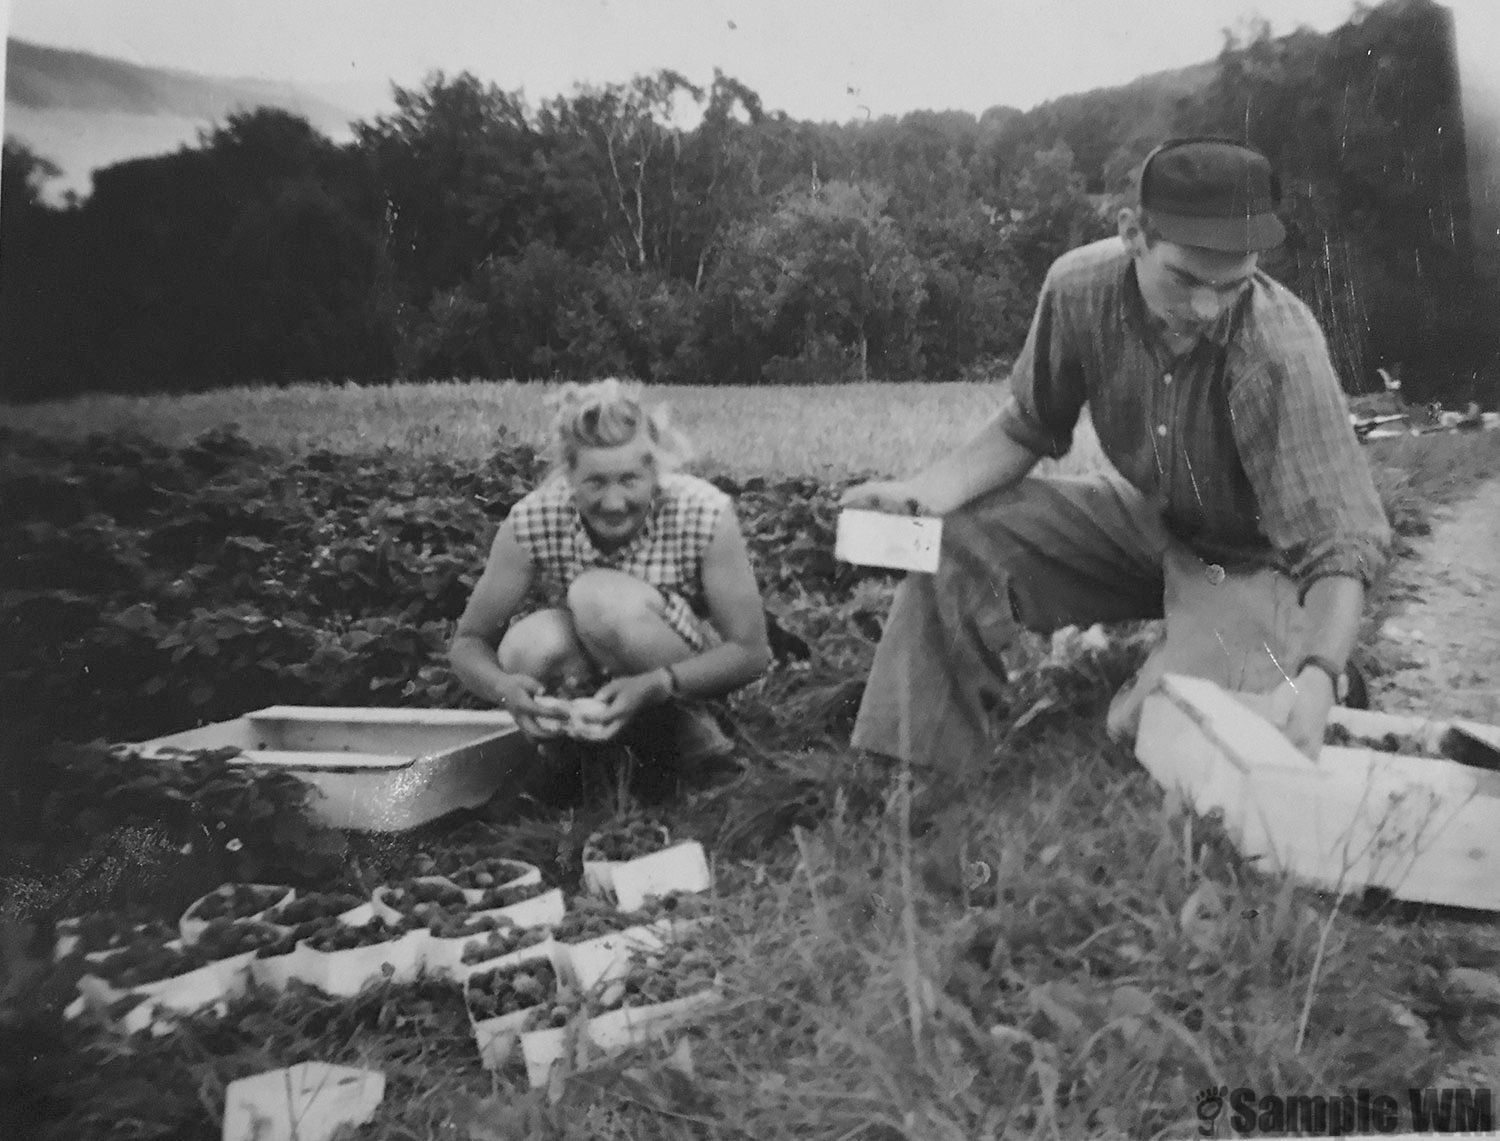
(820, 431)
(1122, 959)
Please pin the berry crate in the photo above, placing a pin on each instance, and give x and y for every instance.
(1420, 825)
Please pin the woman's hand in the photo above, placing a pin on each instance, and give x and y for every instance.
(624, 697)
(523, 699)
(893, 496)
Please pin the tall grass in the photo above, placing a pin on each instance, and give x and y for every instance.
(825, 431)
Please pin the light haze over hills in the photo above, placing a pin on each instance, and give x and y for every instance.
(83, 111)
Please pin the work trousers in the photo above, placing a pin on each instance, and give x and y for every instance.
(1051, 552)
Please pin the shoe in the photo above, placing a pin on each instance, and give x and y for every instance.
(697, 738)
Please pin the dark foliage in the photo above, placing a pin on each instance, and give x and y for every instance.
(467, 233)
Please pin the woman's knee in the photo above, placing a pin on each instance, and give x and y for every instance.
(541, 645)
(605, 603)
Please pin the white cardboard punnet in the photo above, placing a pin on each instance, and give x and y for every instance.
(879, 539)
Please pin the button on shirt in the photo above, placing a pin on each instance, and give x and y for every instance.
(1245, 439)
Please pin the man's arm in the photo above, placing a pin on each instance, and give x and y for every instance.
(988, 462)
(1047, 394)
(1317, 500)
(1334, 605)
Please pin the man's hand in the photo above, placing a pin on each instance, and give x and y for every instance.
(626, 696)
(517, 694)
(893, 496)
(1306, 701)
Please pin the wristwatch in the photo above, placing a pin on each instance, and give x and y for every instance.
(1334, 671)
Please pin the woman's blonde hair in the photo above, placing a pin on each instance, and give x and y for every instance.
(605, 414)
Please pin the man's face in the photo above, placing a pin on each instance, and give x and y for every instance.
(614, 487)
(1188, 287)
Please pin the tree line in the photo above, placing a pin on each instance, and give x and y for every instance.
(468, 233)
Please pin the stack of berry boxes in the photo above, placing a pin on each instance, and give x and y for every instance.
(625, 961)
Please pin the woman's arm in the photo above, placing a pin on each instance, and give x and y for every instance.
(735, 605)
(501, 589)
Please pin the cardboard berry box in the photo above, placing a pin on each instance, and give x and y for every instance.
(185, 982)
(1424, 827)
(503, 1000)
(342, 958)
(232, 901)
(634, 858)
(596, 942)
(484, 942)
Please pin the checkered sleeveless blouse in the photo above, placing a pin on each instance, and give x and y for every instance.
(667, 552)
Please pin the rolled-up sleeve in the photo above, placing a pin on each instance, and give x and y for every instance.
(1317, 499)
(1046, 383)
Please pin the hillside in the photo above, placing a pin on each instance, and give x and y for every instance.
(85, 111)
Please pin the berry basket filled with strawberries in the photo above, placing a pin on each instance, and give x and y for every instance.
(504, 1001)
(233, 901)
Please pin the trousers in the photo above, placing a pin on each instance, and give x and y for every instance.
(1050, 552)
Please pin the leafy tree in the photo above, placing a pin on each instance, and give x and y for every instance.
(1375, 176)
(827, 274)
(620, 138)
(460, 169)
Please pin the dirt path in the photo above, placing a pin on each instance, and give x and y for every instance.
(1447, 636)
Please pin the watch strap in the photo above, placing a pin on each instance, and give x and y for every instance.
(1334, 671)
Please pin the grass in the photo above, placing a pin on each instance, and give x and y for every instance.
(1123, 959)
(819, 431)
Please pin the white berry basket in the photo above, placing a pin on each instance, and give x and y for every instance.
(604, 957)
(190, 926)
(898, 542)
(277, 972)
(497, 1038)
(681, 868)
(446, 956)
(346, 972)
(599, 874)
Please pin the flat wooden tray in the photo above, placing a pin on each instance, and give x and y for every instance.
(1424, 828)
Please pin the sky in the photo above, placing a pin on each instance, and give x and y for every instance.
(814, 59)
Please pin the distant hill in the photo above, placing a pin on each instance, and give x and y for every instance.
(1109, 129)
(84, 111)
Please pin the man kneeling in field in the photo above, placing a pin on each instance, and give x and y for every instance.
(1241, 507)
(654, 603)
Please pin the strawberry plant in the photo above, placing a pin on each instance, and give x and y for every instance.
(506, 990)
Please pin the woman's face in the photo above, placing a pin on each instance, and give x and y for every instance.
(614, 488)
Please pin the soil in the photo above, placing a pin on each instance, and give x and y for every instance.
(1444, 642)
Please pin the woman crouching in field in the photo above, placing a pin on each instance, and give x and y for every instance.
(654, 603)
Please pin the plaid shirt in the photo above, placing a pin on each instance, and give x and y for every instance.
(1245, 441)
(667, 552)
